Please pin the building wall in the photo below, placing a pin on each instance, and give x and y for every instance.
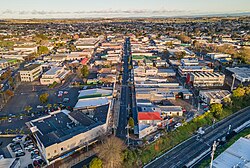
(74, 142)
(147, 131)
(29, 76)
(207, 81)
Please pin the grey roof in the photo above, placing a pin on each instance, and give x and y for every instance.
(62, 126)
(31, 67)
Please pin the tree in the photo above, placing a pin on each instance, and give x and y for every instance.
(85, 71)
(44, 98)
(216, 109)
(28, 108)
(131, 122)
(49, 106)
(239, 92)
(9, 93)
(42, 50)
(227, 101)
(184, 38)
(95, 163)
(110, 152)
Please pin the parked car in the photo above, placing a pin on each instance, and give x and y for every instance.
(20, 154)
(178, 125)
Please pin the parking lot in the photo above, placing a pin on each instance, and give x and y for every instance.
(28, 95)
(25, 149)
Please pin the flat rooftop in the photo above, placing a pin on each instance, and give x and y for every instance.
(91, 102)
(237, 155)
(30, 67)
(243, 72)
(91, 93)
(52, 71)
(64, 125)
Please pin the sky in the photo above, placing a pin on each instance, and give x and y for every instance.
(117, 8)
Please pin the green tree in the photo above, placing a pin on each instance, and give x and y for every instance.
(227, 101)
(28, 109)
(95, 163)
(49, 106)
(85, 71)
(239, 92)
(44, 98)
(131, 122)
(42, 50)
(216, 109)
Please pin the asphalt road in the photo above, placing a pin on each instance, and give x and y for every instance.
(121, 131)
(193, 147)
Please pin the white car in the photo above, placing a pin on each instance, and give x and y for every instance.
(178, 125)
(9, 120)
(60, 92)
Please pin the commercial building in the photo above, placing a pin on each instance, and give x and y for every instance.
(241, 74)
(30, 73)
(213, 96)
(189, 62)
(55, 74)
(87, 43)
(216, 56)
(62, 132)
(205, 79)
(93, 98)
(237, 155)
(171, 111)
(184, 70)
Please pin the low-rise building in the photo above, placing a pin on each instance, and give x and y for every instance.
(237, 155)
(213, 96)
(241, 74)
(184, 70)
(30, 72)
(216, 56)
(171, 111)
(205, 79)
(62, 132)
(55, 74)
(189, 62)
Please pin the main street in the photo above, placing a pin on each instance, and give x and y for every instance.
(123, 114)
(195, 146)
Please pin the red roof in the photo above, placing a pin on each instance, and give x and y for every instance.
(149, 116)
(84, 61)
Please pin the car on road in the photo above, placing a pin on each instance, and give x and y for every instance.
(9, 120)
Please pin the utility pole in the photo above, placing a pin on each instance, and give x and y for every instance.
(212, 154)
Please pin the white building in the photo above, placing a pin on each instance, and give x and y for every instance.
(30, 73)
(55, 74)
(184, 70)
(62, 132)
(216, 56)
(189, 62)
(204, 79)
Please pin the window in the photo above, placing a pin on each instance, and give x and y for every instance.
(62, 149)
(48, 154)
(54, 151)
